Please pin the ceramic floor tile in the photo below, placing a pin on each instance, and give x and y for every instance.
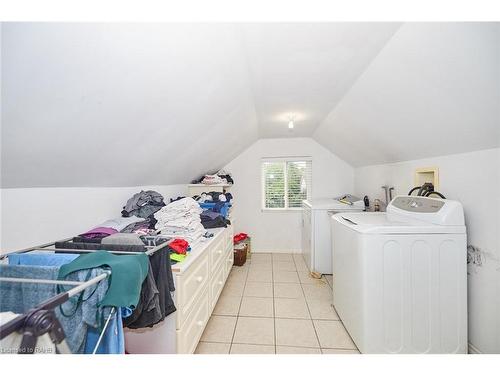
(320, 290)
(282, 257)
(254, 331)
(227, 305)
(301, 266)
(233, 288)
(252, 349)
(283, 266)
(260, 257)
(260, 275)
(257, 306)
(254, 289)
(291, 308)
(286, 277)
(288, 290)
(295, 332)
(236, 272)
(212, 348)
(339, 351)
(296, 350)
(219, 329)
(332, 334)
(329, 279)
(237, 277)
(261, 266)
(322, 309)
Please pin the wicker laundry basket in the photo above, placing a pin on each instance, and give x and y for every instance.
(240, 254)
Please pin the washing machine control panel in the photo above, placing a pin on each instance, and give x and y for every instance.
(418, 204)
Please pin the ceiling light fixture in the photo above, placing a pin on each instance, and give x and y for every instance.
(290, 124)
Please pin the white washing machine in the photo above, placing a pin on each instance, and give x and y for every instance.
(316, 240)
(400, 277)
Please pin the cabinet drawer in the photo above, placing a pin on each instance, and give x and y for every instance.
(190, 334)
(190, 285)
(228, 263)
(217, 254)
(216, 284)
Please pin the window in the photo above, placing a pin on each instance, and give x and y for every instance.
(285, 182)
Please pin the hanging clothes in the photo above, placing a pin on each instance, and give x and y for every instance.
(146, 313)
(128, 273)
(75, 315)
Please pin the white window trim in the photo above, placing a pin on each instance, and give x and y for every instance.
(284, 160)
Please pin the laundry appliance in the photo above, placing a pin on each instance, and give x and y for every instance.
(316, 241)
(400, 277)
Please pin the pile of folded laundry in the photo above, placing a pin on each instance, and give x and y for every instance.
(181, 219)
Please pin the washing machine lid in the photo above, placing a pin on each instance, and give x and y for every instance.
(331, 204)
(381, 223)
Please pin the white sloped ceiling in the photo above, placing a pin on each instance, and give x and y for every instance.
(433, 90)
(301, 71)
(145, 104)
(121, 104)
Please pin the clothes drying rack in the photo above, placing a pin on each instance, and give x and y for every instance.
(150, 250)
(42, 319)
(47, 306)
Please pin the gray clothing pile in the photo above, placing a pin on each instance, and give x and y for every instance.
(143, 204)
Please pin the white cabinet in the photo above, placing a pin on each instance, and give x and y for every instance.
(199, 281)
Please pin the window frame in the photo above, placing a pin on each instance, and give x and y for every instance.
(284, 161)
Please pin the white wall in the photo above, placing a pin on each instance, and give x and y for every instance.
(473, 179)
(280, 231)
(39, 215)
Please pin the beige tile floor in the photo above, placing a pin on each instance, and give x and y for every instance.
(272, 305)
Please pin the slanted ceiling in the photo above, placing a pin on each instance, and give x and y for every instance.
(139, 104)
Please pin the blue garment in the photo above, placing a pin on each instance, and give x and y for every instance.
(75, 315)
(49, 259)
(113, 340)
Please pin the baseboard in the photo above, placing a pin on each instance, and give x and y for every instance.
(473, 349)
(278, 251)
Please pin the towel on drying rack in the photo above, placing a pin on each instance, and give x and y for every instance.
(113, 341)
(75, 315)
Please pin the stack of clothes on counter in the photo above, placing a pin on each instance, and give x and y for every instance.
(181, 219)
(211, 219)
(178, 250)
(213, 197)
(143, 205)
(215, 207)
(220, 178)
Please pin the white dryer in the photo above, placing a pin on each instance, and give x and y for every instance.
(316, 240)
(400, 277)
